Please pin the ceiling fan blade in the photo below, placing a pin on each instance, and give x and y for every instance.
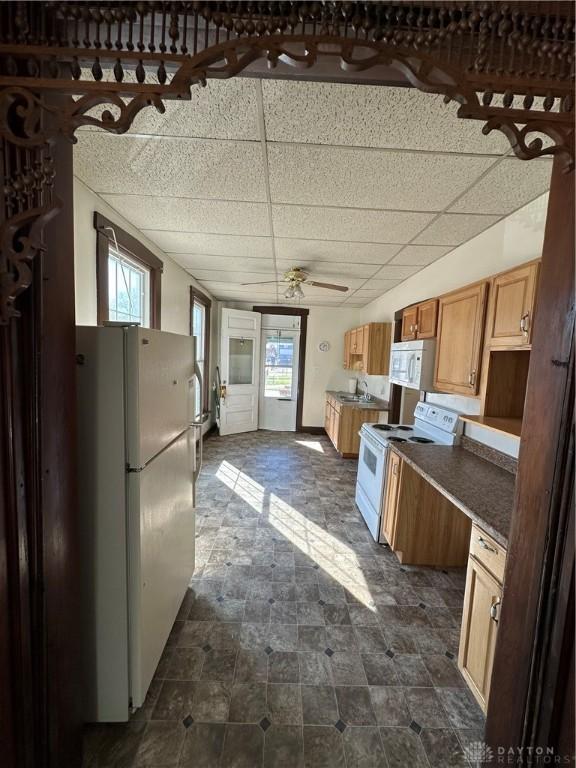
(265, 282)
(330, 286)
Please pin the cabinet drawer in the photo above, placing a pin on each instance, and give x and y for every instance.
(488, 552)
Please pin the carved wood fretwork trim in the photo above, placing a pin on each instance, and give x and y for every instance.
(504, 64)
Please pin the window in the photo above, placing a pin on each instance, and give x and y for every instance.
(128, 277)
(128, 289)
(278, 366)
(200, 306)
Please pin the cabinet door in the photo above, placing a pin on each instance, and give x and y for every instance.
(459, 347)
(512, 306)
(409, 322)
(391, 497)
(427, 317)
(327, 418)
(336, 428)
(479, 629)
(347, 342)
(361, 339)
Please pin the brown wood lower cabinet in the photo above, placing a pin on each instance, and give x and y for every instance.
(343, 422)
(419, 523)
(481, 613)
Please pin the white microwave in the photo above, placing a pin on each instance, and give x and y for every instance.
(412, 364)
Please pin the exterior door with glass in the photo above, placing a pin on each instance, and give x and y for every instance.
(279, 379)
(239, 371)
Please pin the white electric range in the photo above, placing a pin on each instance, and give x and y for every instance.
(432, 426)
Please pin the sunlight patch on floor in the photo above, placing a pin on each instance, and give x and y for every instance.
(314, 445)
(319, 545)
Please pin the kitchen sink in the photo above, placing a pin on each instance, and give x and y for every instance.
(350, 398)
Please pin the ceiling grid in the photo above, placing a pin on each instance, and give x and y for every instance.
(359, 185)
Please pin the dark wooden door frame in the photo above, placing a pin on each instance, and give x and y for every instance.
(302, 313)
(538, 556)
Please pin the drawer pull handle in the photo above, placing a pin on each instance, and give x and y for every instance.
(494, 610)
(484, 544)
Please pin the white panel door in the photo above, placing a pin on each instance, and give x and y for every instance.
(160, 556)
(239, 371)
(159, 369)
(279, 379)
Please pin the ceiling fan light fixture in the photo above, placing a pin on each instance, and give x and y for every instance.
(298, 292)
(289, 292)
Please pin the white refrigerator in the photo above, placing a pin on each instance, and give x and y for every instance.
(139, 457)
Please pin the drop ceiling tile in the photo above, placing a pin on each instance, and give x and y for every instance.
(197, 168)
(370, 293)
(218, 245)
(380, 285)
(298, 221)
(420, 254)
(197, 262)
(454, 229)
(367, 178)
(511, 184)
(224, 109)
(370, 116)
(293, 249)
(394, 272)
(218, 288)
(173, 214)
(227, 276)
(320, 269)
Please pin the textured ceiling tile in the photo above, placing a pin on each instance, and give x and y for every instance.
(217, 287)
(217, 245)
(370, 116)
(310, 250)
(369, 178)
(453, 228)
(177, 214)
(193, 262)
(510, 185)
(227, 276)
(393, 272)
(380, 285)
(420, 254)
(230, 170)
(371, 293)
(320, 269)
(224, 109)
(347, 224)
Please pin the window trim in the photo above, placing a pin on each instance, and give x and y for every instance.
(202, 298)
(136, 251)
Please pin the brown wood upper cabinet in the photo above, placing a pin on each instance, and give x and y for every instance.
(511, 307)
(459, 347)
(419, 321)
(367, 348)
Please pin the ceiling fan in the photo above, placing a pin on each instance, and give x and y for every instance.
(296, 277)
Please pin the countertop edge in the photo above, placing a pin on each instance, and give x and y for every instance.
(496, 535)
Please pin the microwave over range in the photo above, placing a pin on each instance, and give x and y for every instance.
(412, 364)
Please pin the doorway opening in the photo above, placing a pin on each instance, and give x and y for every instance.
(279, 353)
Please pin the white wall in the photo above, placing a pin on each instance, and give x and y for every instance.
(176, 282)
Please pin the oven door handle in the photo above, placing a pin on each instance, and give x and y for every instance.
(371, 442)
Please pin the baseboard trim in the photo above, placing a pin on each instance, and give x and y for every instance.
(313, 430)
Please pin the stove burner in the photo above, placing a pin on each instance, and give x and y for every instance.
(404, 429)
(397, 439)
(421, 440)
(385, 427)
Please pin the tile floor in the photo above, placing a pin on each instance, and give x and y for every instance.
(300, 642)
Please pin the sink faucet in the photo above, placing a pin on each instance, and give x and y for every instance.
(366, 395)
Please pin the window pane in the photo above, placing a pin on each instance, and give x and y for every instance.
(277, 382)
(240, 361)
(128, 290)
(198, 328)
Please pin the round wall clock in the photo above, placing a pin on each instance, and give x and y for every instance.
(324, 346)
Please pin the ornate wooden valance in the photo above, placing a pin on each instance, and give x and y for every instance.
(510, 65)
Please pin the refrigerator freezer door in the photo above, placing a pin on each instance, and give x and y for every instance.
(159, 367)
(160, 555)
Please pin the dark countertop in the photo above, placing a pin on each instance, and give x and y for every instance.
(375, 404)
(482, 490)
